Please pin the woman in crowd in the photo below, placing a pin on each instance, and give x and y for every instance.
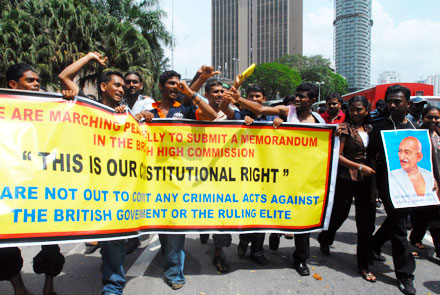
(421, 218)
(354, 180)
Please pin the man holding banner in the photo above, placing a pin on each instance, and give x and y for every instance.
(49, 260)
(111, 90)
(300, 112)
(169, 83)
(214, 91)
(256, 94)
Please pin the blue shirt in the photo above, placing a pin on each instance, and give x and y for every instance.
(177, 111)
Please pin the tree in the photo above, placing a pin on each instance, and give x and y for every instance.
(314, 69)
(336, 84)
(146, 17)
(51, 34)
(275, 78)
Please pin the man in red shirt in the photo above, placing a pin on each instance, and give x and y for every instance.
(334, 114)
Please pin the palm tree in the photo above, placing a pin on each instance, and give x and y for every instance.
(51, 34)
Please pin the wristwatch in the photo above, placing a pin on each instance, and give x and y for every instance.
(360, 167)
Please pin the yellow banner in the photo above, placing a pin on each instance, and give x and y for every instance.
(75, 170)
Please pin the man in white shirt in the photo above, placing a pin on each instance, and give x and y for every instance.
(133, 87)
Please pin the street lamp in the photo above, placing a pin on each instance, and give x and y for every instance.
(319, 89)
(220, 70)
(236, 61)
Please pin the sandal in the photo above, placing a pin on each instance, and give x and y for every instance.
(368, 276)
(221, 264)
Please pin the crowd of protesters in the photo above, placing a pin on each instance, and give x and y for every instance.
(362, 171)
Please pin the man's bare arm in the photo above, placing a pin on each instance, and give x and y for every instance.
(234, 96)
(224, 107)
(68, 74)
(208, 112)
(204, 73)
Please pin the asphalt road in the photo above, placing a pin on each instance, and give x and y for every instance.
(81, 273)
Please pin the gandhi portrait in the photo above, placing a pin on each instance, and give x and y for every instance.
(410, 179)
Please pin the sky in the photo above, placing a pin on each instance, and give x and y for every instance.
(405, 35)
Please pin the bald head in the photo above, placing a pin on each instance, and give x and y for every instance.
(410, 153)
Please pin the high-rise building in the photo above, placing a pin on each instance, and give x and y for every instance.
(353, 41)
(254, 31)
(388, 77)
(435, 81)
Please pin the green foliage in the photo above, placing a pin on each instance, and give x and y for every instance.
(51, 34)
(275, 78)
(316, 69)
(336, 84)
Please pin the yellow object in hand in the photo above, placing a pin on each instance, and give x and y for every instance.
(247, 72)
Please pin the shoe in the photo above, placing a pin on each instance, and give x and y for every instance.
(260, 259)
(301, 268)
(204, 238)
(242, 249)
(325, 249)
(221, 264)
(378, 256)
(178, 286)
(91, 247)
(368, 276)
(274, 241)
(132, 244)
(407, 286)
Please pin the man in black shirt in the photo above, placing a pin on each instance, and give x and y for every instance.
(394, 226)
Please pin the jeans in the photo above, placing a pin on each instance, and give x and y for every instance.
(112, 269)
(173, 250)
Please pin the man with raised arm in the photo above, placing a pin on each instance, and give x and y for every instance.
(49, 260)
(300, 112)
(67, 76)
(192, 106)
(111, 92)
(254, 93)
(214, 91)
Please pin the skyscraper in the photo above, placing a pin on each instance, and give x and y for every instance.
(435, 81)
(254, 31)
(353, 41)
(387, 77)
